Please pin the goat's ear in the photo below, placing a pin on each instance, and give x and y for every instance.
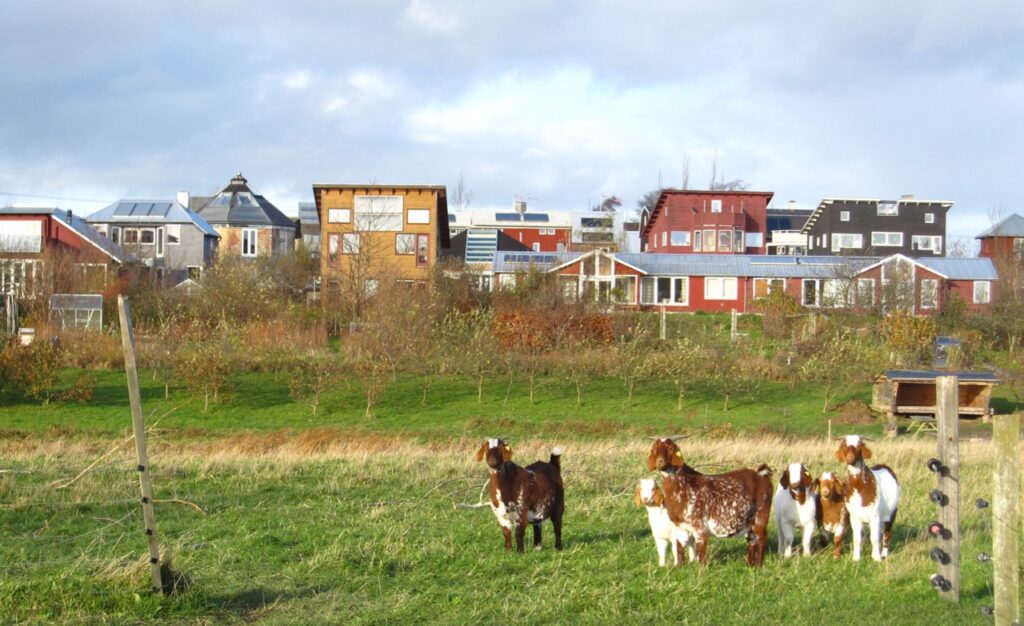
(816, 485)
(806, 480)
(658, 497)
(506, 452)
(481, 452)
(636, 497)
(651, 461)
(866, 452)
(840, 487)
(784, 480)
(677, 459)
(840, 453)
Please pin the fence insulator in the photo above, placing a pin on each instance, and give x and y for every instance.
(981, 503)
(984, 558)
(935, 529)
(988, 611)
(938, 497)
(939, 582)
(936, 466)
(939, 556)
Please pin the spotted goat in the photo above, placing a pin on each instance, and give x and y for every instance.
(795, 506)
(872, 496)
(524, 495)
(651, 497)
(833, 518)
(734, 504)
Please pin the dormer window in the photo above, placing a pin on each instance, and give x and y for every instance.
(890, 209)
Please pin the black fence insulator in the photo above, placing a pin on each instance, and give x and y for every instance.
(145, 500)
(938, 497)
(154, 560)
(937, 467)
(939, 556)
(149, 531)
(984, 558)
(156, 589)
(981, 503)
(940, 583)
(988, 611)
(141, 467)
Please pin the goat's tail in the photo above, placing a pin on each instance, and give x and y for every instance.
(556, 457)
(764, 470)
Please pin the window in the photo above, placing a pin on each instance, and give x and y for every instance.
(719, 288)
(536, 246)
(926, 242)
(115, 234)
(716, 206)
(195, 272)
(709, 241)
(250, 241)
(680, 237)
(887, 239)
(844, 216)
(506, 281)
(147, 236)
(625, 290)
(350, 243)
(737, 241)
(866, 291)
(982, 291)
(835, 292)
(160, 242)
(889, 209)
(21, 236)
(339, 216)
(419, 216)
(173, 234)
(929, 218)
(333, 244)
(765, 286)
(130, 236)
(811, 290)
(377, 213)
(20, 277)
(422, 250)
(696, 240)
(842, 241)
(824, 240)
(724, 240)
(929, 293)
(370, 286)
(664, 290)
(405, 243)
(753, 239)
(1018, 247)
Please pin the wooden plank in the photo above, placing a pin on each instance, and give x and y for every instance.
(145, 477)
(1006, 518)
(947, 417)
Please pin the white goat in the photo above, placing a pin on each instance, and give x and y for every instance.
(665, 533)
(795, 505)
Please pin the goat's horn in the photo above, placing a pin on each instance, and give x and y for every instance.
(676, 437)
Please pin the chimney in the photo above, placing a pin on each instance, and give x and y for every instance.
(519, 206)
(906, 196)
(69, 216)
(183, 197)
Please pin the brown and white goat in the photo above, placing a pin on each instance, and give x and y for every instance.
(872, 496)
(665, 534)
(524, 495)
(795, 505)
(734, 504)
(833, 517)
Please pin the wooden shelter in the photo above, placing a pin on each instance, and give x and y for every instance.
(912, 392)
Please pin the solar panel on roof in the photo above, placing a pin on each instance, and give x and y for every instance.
(535, 217)
(506, 217)
(124, 208)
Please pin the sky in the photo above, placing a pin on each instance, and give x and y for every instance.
(559, 103)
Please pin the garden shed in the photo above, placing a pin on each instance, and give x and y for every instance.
(912, 392)
(77, 311)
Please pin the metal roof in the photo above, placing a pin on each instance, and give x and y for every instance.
(76, 301)
(931, 375)
(150, 212)
(1012, 226)
(237, 205)
(960, 269)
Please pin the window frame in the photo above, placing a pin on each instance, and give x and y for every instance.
(422, 250)
(716, 206)
(410, 238)
(722, 282)
(933, 303)
(339, 216)
(250, 242)
(844, 216)
(768, 282)
(929, 218)
(697, 239)
(886, 233)
(683, 238)
(987, 284)
(861, 284)
(839, 238)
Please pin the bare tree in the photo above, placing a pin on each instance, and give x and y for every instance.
(462, 197)
(686, 172)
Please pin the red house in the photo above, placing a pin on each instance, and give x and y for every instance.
(1004, 240)
(706, 222)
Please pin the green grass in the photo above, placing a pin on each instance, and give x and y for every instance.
(366, 531)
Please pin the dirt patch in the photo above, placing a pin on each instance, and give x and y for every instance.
(853, 412)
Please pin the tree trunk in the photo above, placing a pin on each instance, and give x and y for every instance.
(480, 389)
(579, 394)
(679, 399)
(725, 407)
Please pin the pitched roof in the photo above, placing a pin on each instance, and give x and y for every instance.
(76, 224)
(1011, 226)
(237, 205)
(150, 212)
(873, 202)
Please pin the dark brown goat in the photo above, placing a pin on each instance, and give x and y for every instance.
(737, 503)
(521, 496)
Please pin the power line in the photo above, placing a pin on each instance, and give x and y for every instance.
(29, 195)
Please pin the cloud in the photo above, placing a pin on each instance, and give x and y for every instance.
(428, 15)
(298, 79)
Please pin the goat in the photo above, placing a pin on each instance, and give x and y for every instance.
(832, 514)
(872, 497)
(665, 533)
(737, 503)
(795, 505)
(521, 496)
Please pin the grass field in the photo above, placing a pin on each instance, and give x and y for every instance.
(341, 526)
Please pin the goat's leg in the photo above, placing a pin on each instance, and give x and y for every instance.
(837, 541)
(858, 528)
(520, 535)
(508, 538)
(701, 546)
(874, 526)
(661, 545)
(887, 534)
(536, 536)
(785, 536)
(806, 536)
(556, 523)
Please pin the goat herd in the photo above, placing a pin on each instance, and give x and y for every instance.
(690, 505)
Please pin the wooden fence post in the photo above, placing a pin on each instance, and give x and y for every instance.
(734, 326)
(947, 396)
(662, 334)
(145, 478)
(1006, 518)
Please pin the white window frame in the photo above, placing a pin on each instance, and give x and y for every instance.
(721, 288)
(408, 248)
(160, 242)
(716, 206)
(844, 216)
(250, 242)
(350, 243)
(710, 243)
(817, 292)
(725, 240)
(768, 282)
(379, 213)
(929, 218)
(933, 243)
(697, 239)
(888, 209)
(929, 286)
(866, 286)
(143, 232)
(174, 234)
(673, 299)
(535, 246)
(856, 241)
(880, 239)
(339, 216)
(418, 216)
(130, 236)
(982, 291)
